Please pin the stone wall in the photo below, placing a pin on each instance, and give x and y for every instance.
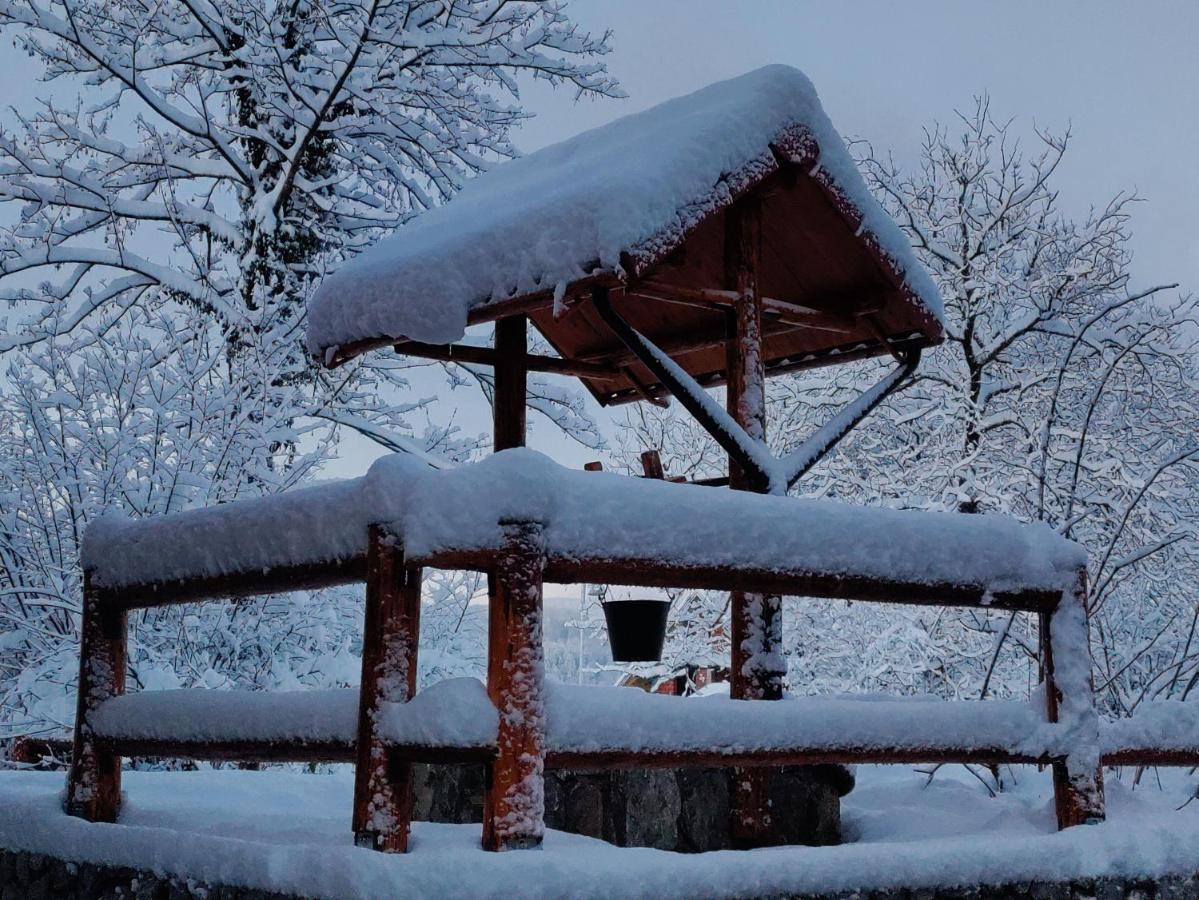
(668, 809)
(28, 876)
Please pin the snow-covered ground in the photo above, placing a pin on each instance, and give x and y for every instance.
(290, 832)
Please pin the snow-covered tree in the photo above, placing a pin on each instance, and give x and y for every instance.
(1061, 394)
(190, 172)
(227, 153)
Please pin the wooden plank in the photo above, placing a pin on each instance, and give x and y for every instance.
(798, 583)
(600, 760)
(234, 585)
(514, 801)
(818, 315)
(1078, 796)
(234, 751)
(337, 752)
(383, 790)
(682, 343)
(487, 356)
(94, 783)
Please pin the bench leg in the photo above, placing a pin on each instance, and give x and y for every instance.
(1069, 697)
(391, 636)
(514, 800)
(94, 783)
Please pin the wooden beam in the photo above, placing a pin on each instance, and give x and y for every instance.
(790, 312)
(511, 382)
(697, 339)
(234, 585)
(643, 572)
(94, 783)
(1078, 795)
(514, 802)
(524, 305)
(391, 635)
(757, 618)
(487, 356)
(602, 760)
(678, 383)
(234, 751)
(802, 361)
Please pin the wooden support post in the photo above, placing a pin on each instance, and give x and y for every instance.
(1077, 781)
(391, 636)
(508, 415)
(94, 785)
(514, 802)
(756, 618)
(511, 377)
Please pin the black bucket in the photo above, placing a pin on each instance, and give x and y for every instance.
(636, 629)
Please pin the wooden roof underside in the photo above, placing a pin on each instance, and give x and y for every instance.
(830, 298)
(831, 295)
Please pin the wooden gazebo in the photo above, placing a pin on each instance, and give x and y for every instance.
(714, 240)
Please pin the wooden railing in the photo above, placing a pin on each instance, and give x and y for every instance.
(516, 762)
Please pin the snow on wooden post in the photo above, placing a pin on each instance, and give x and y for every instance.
(1070, 701)
(508, 416)
(391, 635)
(514, 802)
(757, 618)
(94, 784)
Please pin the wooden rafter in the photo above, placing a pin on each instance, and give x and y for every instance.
(487, 356)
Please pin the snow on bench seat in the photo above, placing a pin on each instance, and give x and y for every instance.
(324, 523)
(587, 516)
(594, 722)
(586, 725)
(454, 713)
(237, 719)
(600, 515)
(634, 186)
(1160, 732)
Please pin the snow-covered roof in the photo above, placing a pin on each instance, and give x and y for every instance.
(629, 189)
(586, 516)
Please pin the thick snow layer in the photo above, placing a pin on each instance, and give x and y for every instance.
(290, 832)
(458, 713)
(323, 523)
(324, 716)
(1162, 724)
(588, 719)
(451, 713)
(543, 221)
(596, 515)
(455, 712)
(587, 515)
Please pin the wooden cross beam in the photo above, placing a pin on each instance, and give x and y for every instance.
(489, 356)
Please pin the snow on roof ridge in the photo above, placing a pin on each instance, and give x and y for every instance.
(549, 218)
(587, 515)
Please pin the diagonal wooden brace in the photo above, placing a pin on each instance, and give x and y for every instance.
(732, 438)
